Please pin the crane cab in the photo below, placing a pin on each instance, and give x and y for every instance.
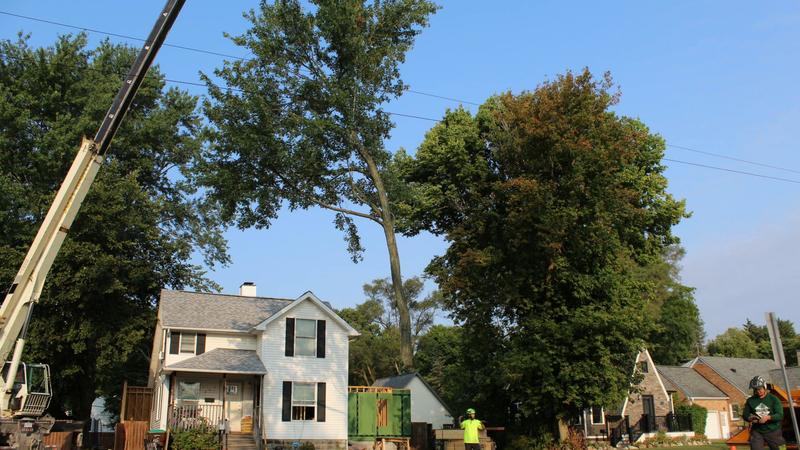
(31, 393)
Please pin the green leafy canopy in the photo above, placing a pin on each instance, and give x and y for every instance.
(136, 232)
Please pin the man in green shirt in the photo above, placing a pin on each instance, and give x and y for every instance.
(471, 426)
(764, 412)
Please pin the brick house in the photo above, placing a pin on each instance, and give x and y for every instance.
(687, 385)
(732, 376)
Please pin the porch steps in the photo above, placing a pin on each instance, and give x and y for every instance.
(241, 441)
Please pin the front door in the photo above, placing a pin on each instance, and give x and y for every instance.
(649, 407)
(233, 405)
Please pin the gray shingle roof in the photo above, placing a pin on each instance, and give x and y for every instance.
(225, 360)
(402, 382)
(397, 382)
(776, 377)
(688, 381)
(739, 371)
(194, 310)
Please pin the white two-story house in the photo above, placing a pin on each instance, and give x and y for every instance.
(274, 369)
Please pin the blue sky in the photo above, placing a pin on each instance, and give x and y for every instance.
(717, 77)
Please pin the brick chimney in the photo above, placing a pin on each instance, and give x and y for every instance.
(247, 289)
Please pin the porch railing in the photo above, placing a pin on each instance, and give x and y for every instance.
(670, 422)
(185, 417)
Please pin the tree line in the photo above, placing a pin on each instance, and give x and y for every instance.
(561, 262)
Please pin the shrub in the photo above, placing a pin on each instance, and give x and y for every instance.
(698, 414)
(522, 442)
(193, 439)
(307, 446)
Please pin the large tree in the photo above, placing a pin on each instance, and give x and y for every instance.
(302, 120)
(551, 204)
(375, 354)
(733, 343)
(676, 330)
(137, 229)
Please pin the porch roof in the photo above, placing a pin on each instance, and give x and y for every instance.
(222, 360)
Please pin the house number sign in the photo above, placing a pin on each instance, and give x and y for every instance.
(232, 389)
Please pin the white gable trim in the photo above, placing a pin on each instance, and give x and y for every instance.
(308, 296)
(650, 366)
(658, 375)
(215, 330)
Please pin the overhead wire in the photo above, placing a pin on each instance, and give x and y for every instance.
(417, 92)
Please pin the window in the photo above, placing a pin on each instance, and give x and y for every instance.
(597, 415)
(642, 367)
(189, 391)
(306, 337)
(736, 412)
(182, 342)
(303, 401)
(188, 342)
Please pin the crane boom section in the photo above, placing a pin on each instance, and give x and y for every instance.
(29, 280)
(24, 292)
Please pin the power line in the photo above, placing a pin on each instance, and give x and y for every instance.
(733, 171)
(411, 116)
(718, 155)
(123, 36)
(193, 49)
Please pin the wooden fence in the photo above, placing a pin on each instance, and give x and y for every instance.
(130, 435)
(136, 402)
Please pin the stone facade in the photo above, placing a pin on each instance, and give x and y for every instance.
(319, 444)
(650, 385)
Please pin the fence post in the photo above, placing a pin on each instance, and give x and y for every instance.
(124, 401)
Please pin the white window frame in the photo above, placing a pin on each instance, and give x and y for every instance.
(305, 403)
(298, 349)
(602, 415)
(181, 351)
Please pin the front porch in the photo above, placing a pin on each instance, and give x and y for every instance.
(616, 429)
(229, 403)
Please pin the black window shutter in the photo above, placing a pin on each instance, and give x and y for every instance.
(289, 336)
(320, 402)
(201, 344)
(286, 416)
(320, 339)
(174, 342)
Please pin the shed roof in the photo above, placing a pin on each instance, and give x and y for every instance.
(688, 381)
(223, 360)
(404, 380)
(202, 311)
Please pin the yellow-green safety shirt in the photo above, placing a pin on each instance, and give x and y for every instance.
(471, 427)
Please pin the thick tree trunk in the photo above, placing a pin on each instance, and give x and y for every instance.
(406, 355)
(387, 221)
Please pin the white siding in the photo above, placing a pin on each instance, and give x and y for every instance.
(215, 340)
(331, 370)
(425, 407)
(160, 403)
